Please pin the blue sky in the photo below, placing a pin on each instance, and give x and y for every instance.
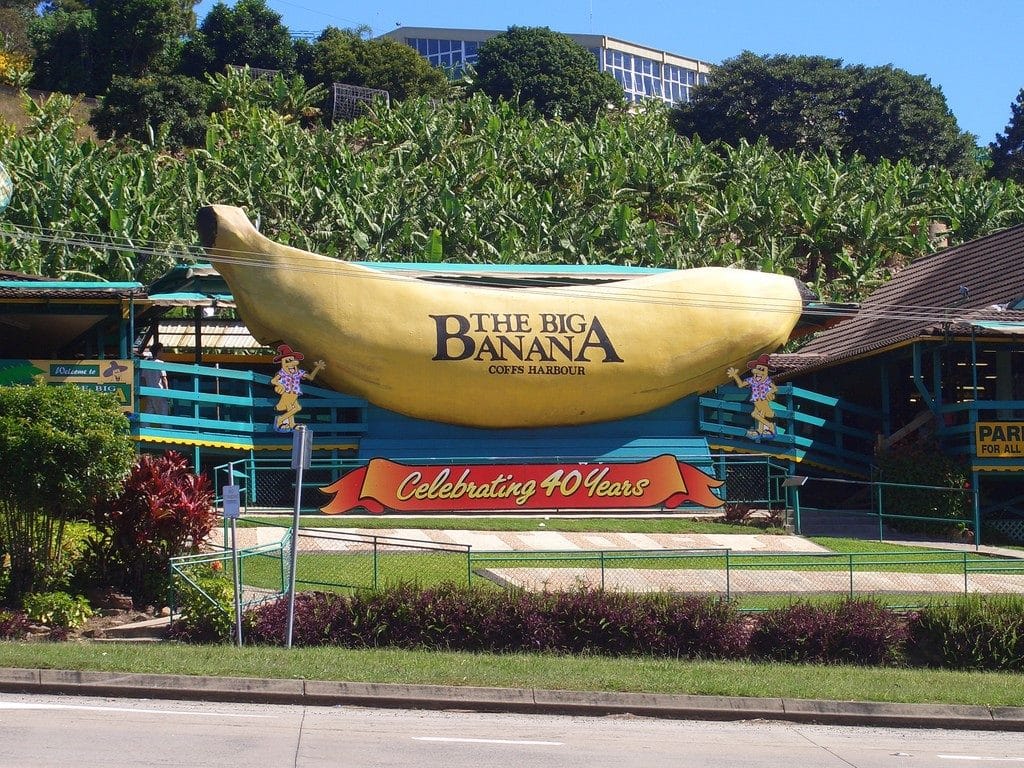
(971, 49)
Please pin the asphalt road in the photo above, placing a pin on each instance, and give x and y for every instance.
(43, 730)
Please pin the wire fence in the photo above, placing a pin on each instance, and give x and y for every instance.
(263, 574)
(344, 561)
(340, 560)
(756, 580)
(877, 509)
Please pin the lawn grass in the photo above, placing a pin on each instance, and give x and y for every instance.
(556, 672)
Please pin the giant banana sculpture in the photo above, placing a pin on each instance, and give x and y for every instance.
(502, 357)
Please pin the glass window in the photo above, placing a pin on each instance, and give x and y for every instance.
(433, 47)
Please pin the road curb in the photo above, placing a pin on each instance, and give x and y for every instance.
(521, 700)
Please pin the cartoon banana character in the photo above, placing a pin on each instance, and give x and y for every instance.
(502, 357)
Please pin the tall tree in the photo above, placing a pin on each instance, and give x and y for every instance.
(64, 56)
(15, 16)
(81, 49)
(1008, 148)
(343, 56)
(812, 103)
(549, 69)
(133, 35)
(248, 34)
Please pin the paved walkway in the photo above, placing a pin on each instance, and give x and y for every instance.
(755, 582)
(741, 581)
(527, 541)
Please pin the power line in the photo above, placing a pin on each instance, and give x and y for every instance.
(613, 289)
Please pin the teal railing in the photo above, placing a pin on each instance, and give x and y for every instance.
(810, 427)
(235, 407)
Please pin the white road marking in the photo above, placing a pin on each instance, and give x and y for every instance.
(978, 758)
(522, 742)
(29, 705)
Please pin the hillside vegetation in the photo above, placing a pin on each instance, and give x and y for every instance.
(468, 180)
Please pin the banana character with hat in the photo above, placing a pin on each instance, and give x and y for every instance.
(762, 394)
(288, 385)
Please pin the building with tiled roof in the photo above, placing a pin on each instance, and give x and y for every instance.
(977, 287)
(937, 354)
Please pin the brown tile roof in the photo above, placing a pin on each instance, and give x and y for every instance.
(6, 274)
(30, 291)
(937, 294)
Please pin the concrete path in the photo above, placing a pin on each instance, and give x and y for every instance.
(526, 541)
(741, 580)
(754, 582)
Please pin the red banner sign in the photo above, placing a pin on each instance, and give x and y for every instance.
(383, 484)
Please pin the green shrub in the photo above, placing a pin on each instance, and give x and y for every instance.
(206, 604)
(164, 510)
(924, 464)
(61, 446)
(975, 633)
(13, 625)
(58, 609)
(169, 106)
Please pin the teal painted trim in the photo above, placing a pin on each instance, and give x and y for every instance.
(832, 426)
(997, 325)
(886, 397)
(202, 428)
(215, 429)
(160, 297)
(988, 405)
(729, 430)
(815, 397)
(193, 370)
(48, 285)
(208, 398)
(918, 381)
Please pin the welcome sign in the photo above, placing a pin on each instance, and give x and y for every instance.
(114, 377)
(382, 484)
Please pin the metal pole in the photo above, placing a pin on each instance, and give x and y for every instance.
(851, 575)
(728, 577)
(238, 582)
(881, 523)
(796, 510)
(976, 502)
(301, 445)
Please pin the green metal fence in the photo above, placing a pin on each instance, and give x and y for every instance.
(326, 560)
(341, 560)
(262, 570)
(757, 579)
(881, 507)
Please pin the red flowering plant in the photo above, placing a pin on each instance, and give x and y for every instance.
(164, 510)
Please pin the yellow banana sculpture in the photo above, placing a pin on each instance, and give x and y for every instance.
(502, 357)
